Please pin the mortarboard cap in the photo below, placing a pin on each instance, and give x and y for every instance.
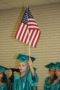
(2, 69)
(25, 58)
(57, 65)
(50, 66)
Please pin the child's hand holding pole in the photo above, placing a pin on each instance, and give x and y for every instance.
(31, 66)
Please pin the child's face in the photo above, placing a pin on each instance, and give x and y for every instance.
(52, 73)
(1, 75)
(58, 73)
(23, 67)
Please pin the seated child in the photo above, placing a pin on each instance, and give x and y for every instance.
(11, 78)
(49, 80)
(3, 79)
(56, 84)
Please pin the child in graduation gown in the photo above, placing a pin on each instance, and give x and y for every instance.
(3, 79)
(11, 78)
(27, 79)
(56, 84)
(51, 77)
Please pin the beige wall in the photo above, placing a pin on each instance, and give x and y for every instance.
(48, 48)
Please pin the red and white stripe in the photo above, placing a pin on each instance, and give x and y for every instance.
(28, 33)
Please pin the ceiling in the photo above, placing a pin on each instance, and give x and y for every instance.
(7, 4)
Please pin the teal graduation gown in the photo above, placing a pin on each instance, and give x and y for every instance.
(56, 86)
(26, 83)
(3, 87)
(47, 84)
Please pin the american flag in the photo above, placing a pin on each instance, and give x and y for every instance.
(28, 31)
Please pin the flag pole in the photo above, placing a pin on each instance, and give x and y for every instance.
(27, 6)
(28, 28)
(29, 48)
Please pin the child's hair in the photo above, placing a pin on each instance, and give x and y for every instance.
(4, 78)
(11, 78)
(54, 78)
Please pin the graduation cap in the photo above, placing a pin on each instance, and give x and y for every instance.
(3, 69)
(57, 65)
(50, 66)
(25, 58)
